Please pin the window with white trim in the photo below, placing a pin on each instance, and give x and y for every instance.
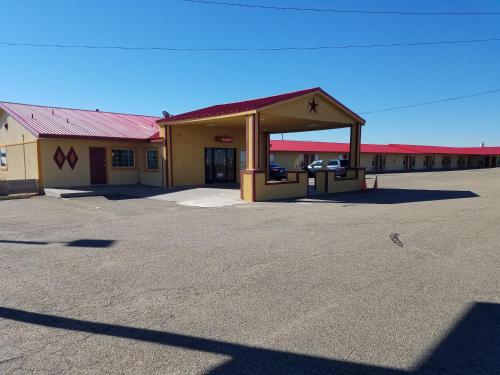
(152, 160)
(123, 158)
(3, 157)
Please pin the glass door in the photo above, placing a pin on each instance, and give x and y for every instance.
(220, 165)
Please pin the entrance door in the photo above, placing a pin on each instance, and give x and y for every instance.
(220, 165)
(97, 156)
(408, 162)
(308, 159)
(378, 162)
(429, 161)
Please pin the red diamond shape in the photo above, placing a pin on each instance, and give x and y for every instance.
(59, 157)
(72, 158)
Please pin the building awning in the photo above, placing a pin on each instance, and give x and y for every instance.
(305, 110)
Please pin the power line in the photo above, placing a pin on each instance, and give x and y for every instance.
(343, 11)
(244, 49)
(494, 91)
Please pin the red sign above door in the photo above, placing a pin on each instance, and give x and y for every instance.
(223, 139)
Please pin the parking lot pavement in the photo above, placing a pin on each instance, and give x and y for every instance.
(399, 280)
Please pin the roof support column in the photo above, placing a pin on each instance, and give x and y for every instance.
(169, 176)
(355, 146)
(252, 141)
(264, 152)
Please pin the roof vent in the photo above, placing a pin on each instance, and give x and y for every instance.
(166, 114)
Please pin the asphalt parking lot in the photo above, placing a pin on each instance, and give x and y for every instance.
(404, 279)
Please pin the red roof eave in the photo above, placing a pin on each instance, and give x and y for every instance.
(97, 138)
(253, 105)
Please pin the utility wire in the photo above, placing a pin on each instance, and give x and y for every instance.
(245, 49)
(344, 11)
(489, 92)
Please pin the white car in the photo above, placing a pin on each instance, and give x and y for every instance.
(314, 166)
(334, 164)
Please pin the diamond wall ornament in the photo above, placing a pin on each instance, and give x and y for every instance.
(59, 157)
(72, 158)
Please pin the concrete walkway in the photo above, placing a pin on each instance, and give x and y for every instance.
(195, 196)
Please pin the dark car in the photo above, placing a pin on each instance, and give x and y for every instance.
(277, 172)
(344, 163)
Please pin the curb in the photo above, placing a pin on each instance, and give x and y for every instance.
(17, 196)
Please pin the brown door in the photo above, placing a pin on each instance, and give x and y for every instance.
(97, 157)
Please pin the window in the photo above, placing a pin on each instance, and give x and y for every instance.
(3, 157)
(333, 162)
(122, 158)
(152, 160)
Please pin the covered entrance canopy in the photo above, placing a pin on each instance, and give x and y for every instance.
(245, 127)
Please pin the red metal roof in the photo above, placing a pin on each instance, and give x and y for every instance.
(250, 105)
(55, 122)
(446, 150)
(313, 147)
(381, 149)
(304, 146)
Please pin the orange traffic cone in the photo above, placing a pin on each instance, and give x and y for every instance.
(363, 185)
(375, 184)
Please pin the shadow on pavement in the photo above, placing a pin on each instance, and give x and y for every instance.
(472, 346)
(91, 243)
(393, 196)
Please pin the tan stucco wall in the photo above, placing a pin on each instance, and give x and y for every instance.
(394, 162)
(336, 185)
(419, 161)
(299, 109)
(52, 176)
(188, 151)
(288, 160)
(22, 159)
(437, 162)
(271, 191)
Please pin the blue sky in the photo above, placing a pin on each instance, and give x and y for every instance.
(363, 79)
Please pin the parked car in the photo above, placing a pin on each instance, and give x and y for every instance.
(314, 166)
(344, 163)
(334, 164)
(277, 172)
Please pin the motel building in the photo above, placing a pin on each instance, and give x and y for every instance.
(379, 158)
(222, 144)
(228, 144)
